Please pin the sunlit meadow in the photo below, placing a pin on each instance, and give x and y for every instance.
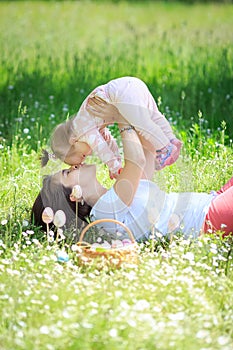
(179, 295)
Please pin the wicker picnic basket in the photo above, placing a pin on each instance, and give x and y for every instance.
(113, 257)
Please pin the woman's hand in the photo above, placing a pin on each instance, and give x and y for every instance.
(106, 111)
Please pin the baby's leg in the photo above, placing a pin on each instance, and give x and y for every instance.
(159, 119)
(140, 118)
(130, 96)
(165, 151)
(135, 102)
(163, 123)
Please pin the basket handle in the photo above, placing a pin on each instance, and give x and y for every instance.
(106, 220)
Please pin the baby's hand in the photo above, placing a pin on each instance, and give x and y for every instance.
(105, 133)
(101, 109)
(113, 175)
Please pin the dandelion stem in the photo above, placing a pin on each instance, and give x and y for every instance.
(153, 238)
(47, 226)
(76, 218)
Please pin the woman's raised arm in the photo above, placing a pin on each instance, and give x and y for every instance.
(128, 180)
(134, 157)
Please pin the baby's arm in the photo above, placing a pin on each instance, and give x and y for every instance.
(106, 153)
(112, 145)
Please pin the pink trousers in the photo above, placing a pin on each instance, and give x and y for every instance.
(220, 213)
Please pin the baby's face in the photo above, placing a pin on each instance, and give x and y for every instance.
(77, 153)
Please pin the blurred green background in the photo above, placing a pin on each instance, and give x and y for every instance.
(53, 53)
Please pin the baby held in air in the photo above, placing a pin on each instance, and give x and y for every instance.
(85, 132)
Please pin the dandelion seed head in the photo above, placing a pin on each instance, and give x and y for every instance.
(223, 340)
(141, 305)
(223, 226)
(158, 234)
(124, 305)
(87, 325)
(179, 316)
(44, 330)
(118, 293)
(189, 256)
(213, 251)
(50, 347)
(113, 333)
(202, 334)
(54, 297)
(65, 108)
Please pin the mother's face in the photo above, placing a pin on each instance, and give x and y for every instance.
(81, 175)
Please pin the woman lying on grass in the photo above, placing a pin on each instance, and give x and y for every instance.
(134, 200)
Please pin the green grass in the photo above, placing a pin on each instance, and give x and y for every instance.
(52, 55)
(179, 298)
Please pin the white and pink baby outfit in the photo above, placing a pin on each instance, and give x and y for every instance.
(136, 104)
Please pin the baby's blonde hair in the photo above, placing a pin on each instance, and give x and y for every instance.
(60, 139)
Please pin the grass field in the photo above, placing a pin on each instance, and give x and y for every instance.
(52, 55)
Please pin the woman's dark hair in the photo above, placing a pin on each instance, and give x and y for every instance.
(57, 196)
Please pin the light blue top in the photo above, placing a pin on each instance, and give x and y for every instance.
(169, 212)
